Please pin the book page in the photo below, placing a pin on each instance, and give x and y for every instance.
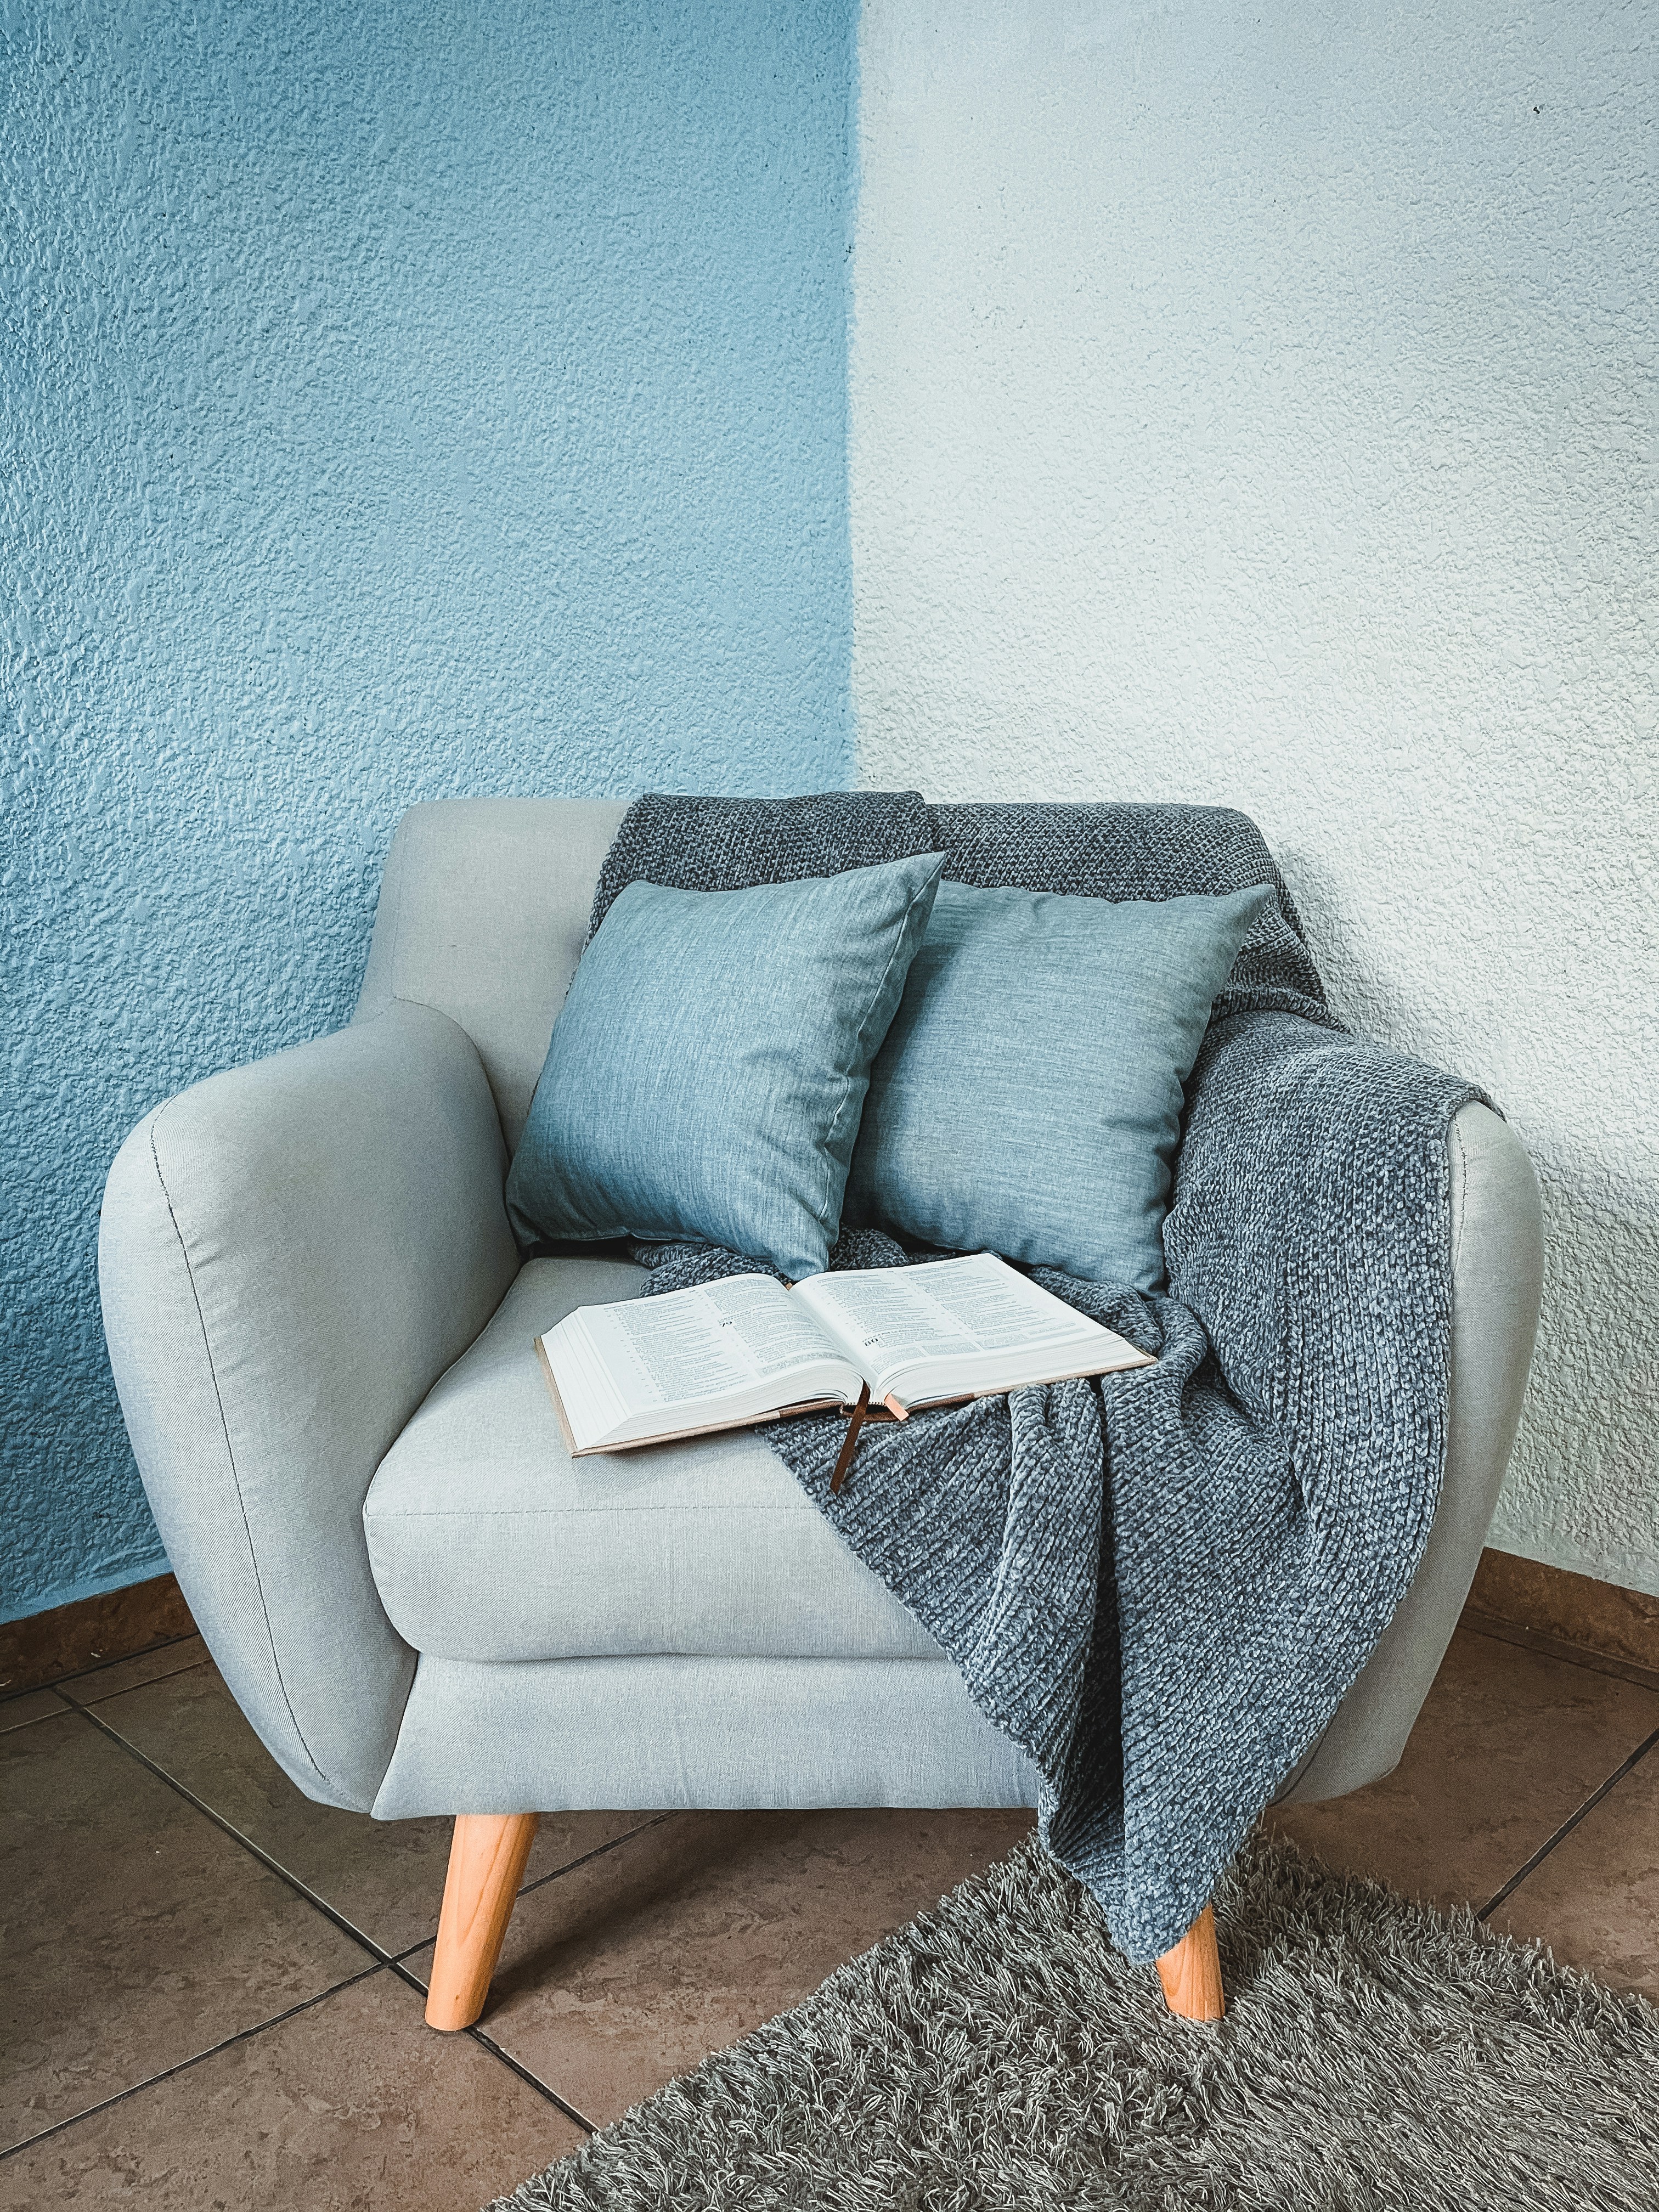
(715, 1357)
(703, 1343)
(958, 1326)
(880, 1317)
(942, 1310)
(996, 1307)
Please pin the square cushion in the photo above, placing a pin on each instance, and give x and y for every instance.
(708, 1073)
(488, 1542)
(1028, 1098)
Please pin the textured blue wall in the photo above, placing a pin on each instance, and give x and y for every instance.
(400, 401)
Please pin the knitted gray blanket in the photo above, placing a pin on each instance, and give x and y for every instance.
(1160, 1584)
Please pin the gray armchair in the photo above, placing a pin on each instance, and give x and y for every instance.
(319, 1329)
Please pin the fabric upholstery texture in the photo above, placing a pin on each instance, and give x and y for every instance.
(482, 916)
(1497, 1271)
(1161, 1584)
(489, 1542)
(777, 841)
(1028, 1098)
(654, 1733)
(1131, 851)
(707, 1075)
(290, 1254)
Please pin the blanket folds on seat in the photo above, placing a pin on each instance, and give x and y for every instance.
(1160, 1584)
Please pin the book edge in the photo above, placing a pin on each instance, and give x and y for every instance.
(669, 1436)
(558, 1402)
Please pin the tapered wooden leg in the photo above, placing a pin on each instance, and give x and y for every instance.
(486, 1865)
(1191, 1973)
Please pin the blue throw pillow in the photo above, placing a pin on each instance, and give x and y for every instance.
(708, 1071)
(1028, 1099)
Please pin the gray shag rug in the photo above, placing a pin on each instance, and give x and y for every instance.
(999, 2056)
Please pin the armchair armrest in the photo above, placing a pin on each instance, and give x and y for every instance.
(290, 1255)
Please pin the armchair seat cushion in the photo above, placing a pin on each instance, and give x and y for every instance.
(488, 1542)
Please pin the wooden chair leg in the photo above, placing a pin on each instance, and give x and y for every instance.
(486, 1865)
(1191, 1973)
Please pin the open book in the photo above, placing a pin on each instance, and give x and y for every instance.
(746, 1350)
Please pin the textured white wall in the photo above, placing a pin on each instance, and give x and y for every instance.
(1257, 406)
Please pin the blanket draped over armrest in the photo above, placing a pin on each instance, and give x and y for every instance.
(1160, 1584)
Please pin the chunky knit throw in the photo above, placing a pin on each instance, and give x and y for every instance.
(1160, 1584)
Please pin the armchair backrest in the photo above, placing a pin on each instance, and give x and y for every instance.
(483, 907)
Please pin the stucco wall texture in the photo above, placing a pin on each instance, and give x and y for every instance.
(399, 400)
(1259, 407)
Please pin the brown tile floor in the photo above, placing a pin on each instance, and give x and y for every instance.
(213, 1987)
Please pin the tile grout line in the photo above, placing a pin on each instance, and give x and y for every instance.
(311, 1897)
(1567, 1826)
(587, 1857)
(476, 2034)
(397, 1957)
(101, 1666)
(1562, 1648)
(228, 1827)
(515, 2066)
(17, 1727)
(381, 1957)
(107, 1696)
(184, 2065)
